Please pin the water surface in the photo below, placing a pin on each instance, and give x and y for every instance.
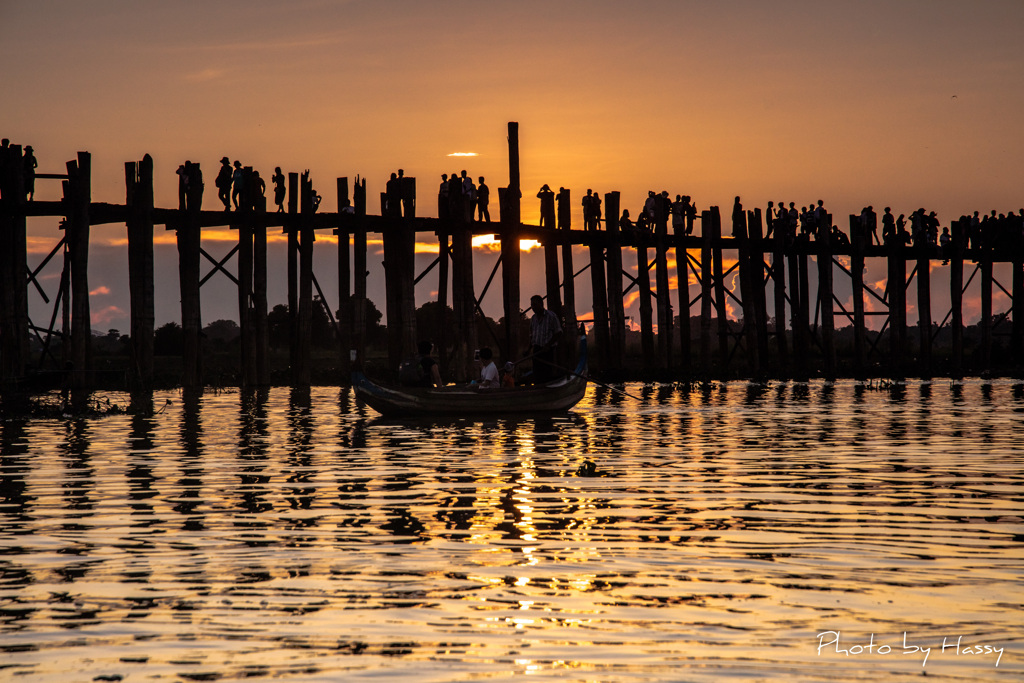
(727, 531)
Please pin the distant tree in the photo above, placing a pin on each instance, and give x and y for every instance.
(376, 333)
(224, 331)
(278, 326)
(167, 340)
(324, 334)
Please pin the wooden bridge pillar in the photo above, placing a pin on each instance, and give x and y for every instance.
(616, 313)
(756, 275)
(661, 244)
(1017, 297)
(798, 319)
(80, 197)
(857, 287)
(643, 279)
(985, 261)
(568, 277)
(746, 255)
(359, 303)
(344, 281)
(14, 331)
(292, 230)
(399, 263)
(258, 318)
(706, 283)
(719, 280)
(779, 291)
(683, 293)
(599, 297)
(956, 295)
(243, 221)
(302, 371)
(897, 286)
(188, 239)
(139, 191)
(511, 256)
(825, 296)
(924, 309)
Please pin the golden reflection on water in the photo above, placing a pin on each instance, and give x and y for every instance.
(720, 529)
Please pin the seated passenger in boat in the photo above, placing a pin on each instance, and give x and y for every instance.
(488, 371)
(422, 371)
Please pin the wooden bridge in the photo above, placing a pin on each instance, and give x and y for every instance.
(754, 346)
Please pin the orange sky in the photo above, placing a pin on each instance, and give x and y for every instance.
(909, 103)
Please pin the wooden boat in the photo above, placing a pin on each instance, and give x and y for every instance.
(396, 401)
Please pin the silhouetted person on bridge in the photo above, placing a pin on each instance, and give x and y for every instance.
(260, 186)
(30, 172)
(547, 207)
(889, 235)
(483, 198)
(468, 197)
(223, 183)
(393, 197)
(237, 183)
(278, 180)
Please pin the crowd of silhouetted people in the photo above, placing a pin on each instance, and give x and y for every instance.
(461, 200)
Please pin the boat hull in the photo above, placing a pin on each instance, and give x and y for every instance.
(557, 396)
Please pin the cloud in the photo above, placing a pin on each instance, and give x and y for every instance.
(105, 316)
(101, 290)
(205, 75)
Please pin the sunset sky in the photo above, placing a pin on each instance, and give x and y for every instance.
(906, 103)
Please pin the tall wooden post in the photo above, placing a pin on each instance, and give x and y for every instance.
(748, 288)
(924, 308)
(302, 372)
(407, 283)
(857, 285)
(464, 300)
(825, 296)
(683, 292)
(568, 276)
(1017, 295)
(359, 303)
(897, 286)
(599, 293)
(616, 313)
(985, 261)
(243, 222)
(139, 190)
(779, 289)
(344, 280)
(797, 320)
(756, 236)
(442, 332)
(643, 278)
(189, 238)
(399, 261)
(719, 279)
(292, 229)
(510, 253)
(661, 241)
(80, 182)
(14, 348)
(707, 281)
(261, 328)
(956, 296)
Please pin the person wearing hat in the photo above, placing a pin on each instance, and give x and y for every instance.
(223, 183)
(29, 159)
